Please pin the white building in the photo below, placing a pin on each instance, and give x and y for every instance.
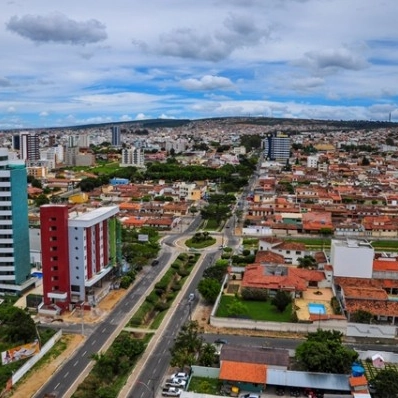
(312, 162)
(352, 258)
(132, 157)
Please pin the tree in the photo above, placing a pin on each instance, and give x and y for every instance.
(361, 316)
(207, 355)
(386, 383)
(41, 200)
(281, 300)
(306, 262)
(324, 352)
(236, 308)
(209, 288)
(188, 344)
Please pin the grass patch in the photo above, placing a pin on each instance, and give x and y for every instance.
(211, 225)
(256, 310)
(204, 385)
(200, 245)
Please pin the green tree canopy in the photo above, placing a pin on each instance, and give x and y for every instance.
(361, 316)
(281, 300)
(324, 352)
(188, 344)
(209, 288)
(386, 383)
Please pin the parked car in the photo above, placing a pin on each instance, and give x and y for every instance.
(250, 395)
(180, 375)
(154, 263)
(174, 382)
(171, 392)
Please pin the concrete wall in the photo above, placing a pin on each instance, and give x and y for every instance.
(203, 371)
(374, 331)
(389, 357)
(348, 329)
(236, 323)
(32, 361)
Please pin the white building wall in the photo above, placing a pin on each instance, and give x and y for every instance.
(77, 259)
(350, 258)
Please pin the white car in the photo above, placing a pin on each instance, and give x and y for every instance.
(180, 375)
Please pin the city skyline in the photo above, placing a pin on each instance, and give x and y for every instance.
(88, 62)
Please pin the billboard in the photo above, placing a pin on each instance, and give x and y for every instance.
(20, 352)
(143, 238)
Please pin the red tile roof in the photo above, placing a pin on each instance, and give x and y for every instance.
(248, 372)
(266, 256)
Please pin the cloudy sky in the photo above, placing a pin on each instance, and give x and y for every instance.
(92, 61)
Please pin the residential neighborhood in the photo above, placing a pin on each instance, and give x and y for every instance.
(299, 211)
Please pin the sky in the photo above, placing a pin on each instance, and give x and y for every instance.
(75, 62)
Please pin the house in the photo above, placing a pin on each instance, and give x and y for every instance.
(274, 278)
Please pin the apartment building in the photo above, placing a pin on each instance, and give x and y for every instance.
(14, 227)
(79, 254)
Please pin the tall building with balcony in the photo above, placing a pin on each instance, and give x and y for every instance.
(277, 147)
(14, 227)
(116, 136)
(132, 157)
(79, 254)
(29, 146)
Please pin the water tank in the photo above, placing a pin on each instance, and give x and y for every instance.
(357, 370)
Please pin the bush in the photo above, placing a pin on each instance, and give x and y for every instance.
(183, 272)
(162, 306)
(152, 298)
(249, 293)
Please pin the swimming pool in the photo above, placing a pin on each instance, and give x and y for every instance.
(315, 308)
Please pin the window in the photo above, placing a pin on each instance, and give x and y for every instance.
(75, 288)
(76, 258)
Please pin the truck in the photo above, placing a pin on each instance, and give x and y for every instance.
(171, 392)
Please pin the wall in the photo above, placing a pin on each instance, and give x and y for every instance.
(236, 323)
(32, 361)
(348, 329)
(374, 331)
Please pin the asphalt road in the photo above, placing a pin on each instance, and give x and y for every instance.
(152, 373)
(66, 376)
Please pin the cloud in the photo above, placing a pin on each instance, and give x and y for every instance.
(237, 32)
(307, 84)
(141, 116)
(125, 118)
(332, 59)
(11, 109)
(43, 114)
(4, 82)
(208, 82)
(57, 28)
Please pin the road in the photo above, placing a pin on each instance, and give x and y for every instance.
(158, 362)
(66, 376)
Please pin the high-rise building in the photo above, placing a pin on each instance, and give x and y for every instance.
(29, 146)
(14, 227)
(132, 157)
(79, 254)
(116, 136)
(277, 147)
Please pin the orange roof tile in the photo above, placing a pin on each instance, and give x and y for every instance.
(385, 265)
(358, 381)
(266, 256)
(248, 372)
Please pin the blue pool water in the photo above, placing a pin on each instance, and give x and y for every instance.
(316, 309)
(37, 274)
